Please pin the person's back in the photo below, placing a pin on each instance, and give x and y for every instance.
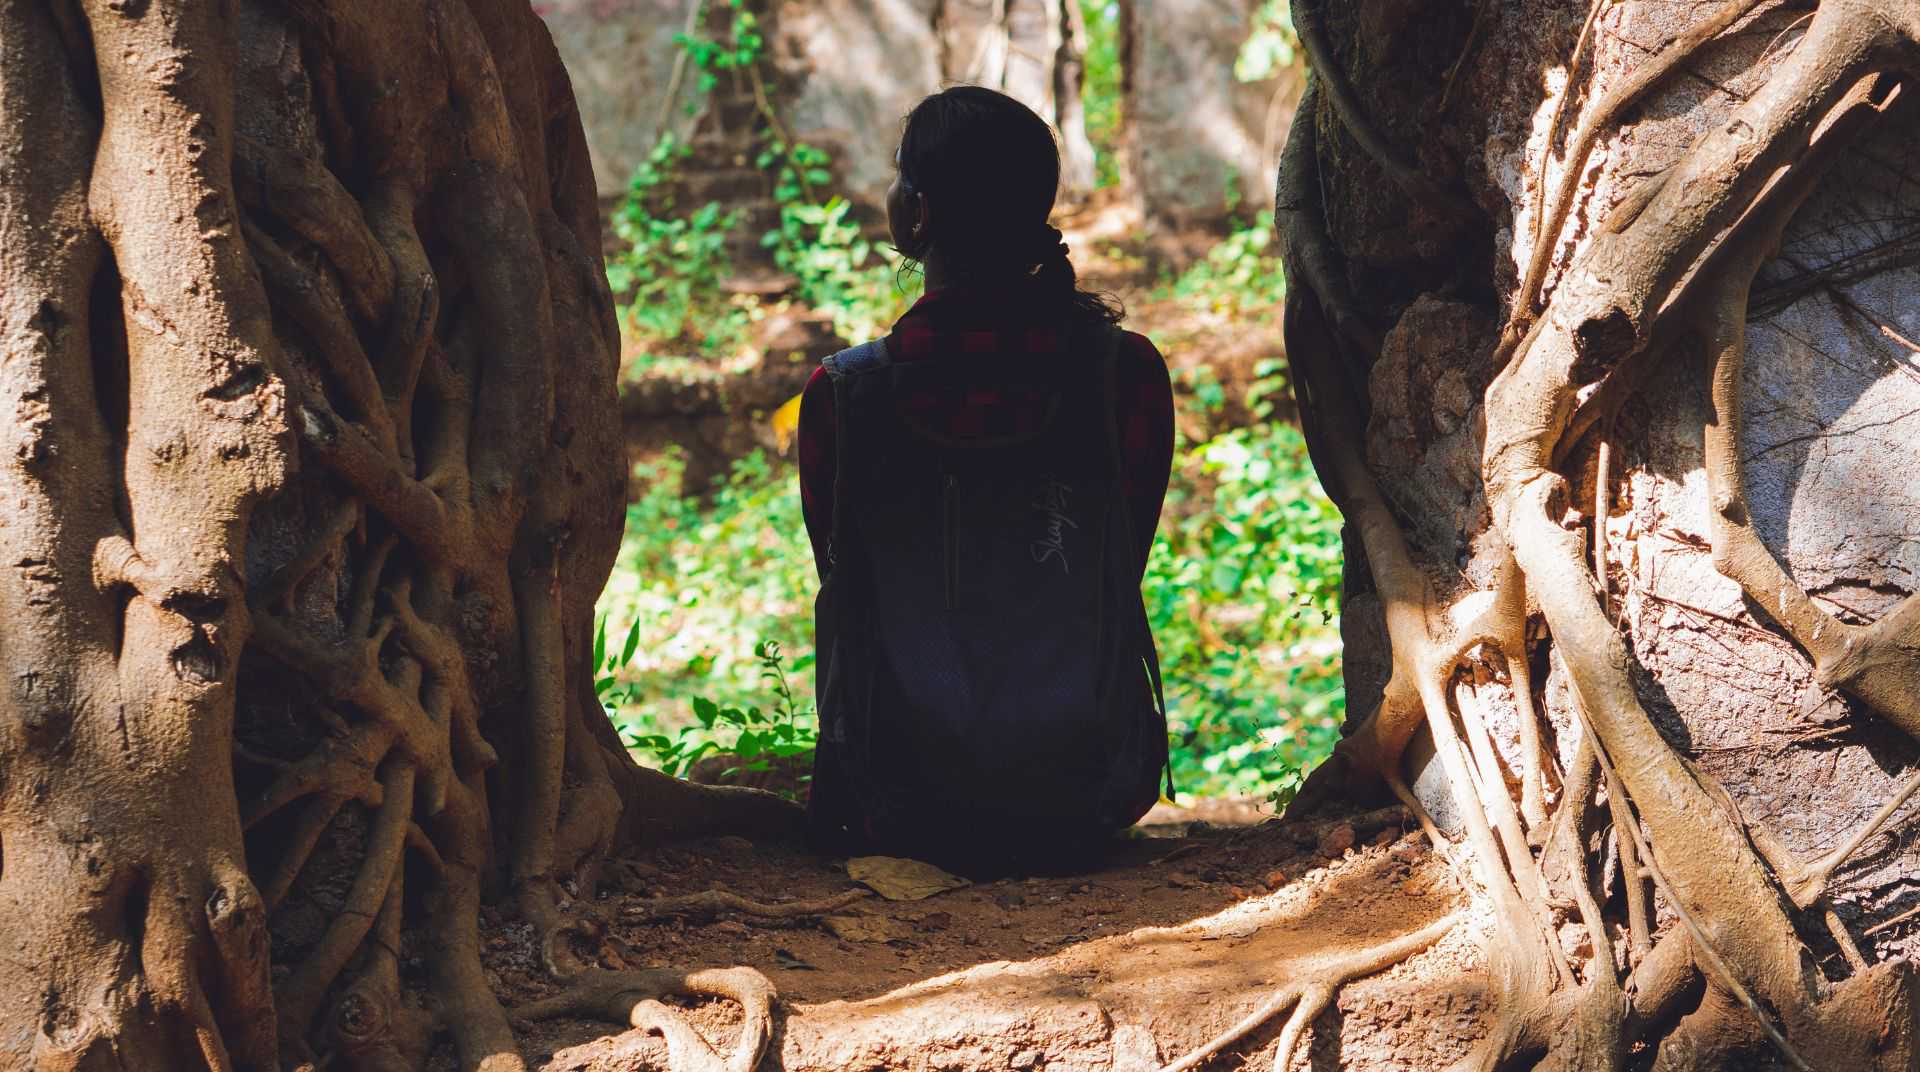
(981, 488)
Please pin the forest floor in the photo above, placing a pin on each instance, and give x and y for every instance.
(1195, 920)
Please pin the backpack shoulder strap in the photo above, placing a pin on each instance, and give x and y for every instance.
(858, 360)
(842, 369)
(1109, 340)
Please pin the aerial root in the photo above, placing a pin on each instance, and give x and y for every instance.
(1605, 117)
(1806, 884)
(1301, 220)
(1314, 992)
(717, 903)
(632, 997)
(1408, 176)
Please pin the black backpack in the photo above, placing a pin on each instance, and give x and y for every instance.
(987, 679)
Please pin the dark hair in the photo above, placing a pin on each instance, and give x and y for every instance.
(991, 169)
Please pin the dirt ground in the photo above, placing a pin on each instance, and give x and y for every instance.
(1196, 919)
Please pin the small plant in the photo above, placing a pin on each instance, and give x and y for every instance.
(675, 263)
(613, 694)
(757, 739)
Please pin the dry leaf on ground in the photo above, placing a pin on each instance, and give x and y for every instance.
(902, 879)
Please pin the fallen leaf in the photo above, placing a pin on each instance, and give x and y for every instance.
(902, 879)
(861, 929)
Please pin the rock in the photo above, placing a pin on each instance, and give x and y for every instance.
(1336, 840)
(619, 55)
(1197, 132)
(1135, 1049)
(857, 67)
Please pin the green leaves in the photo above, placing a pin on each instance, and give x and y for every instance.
(1242, 589)
(744, 732)
(670, 271)
(1270, 46)
(1241, 276)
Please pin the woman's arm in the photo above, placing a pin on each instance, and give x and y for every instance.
(1143, 400)
(816, 452)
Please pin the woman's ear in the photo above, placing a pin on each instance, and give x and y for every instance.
(922, 217)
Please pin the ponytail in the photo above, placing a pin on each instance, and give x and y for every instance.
(1057, 285)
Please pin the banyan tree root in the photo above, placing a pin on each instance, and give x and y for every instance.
(1310, 992)
(719, 903)
(1725, 203)
(313, 470)
(632, 997)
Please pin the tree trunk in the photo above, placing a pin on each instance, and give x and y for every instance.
(1603, 331)
(313, 473)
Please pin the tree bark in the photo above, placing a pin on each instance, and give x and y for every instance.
(1602, 329)
(314, 472)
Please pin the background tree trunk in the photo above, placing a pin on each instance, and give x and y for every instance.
(313, 475)
(1633, 545)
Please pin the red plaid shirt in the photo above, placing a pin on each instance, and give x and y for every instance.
(952, 321)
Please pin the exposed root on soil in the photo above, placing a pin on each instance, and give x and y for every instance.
(632, 997)
(718, 903)
(1310, 992)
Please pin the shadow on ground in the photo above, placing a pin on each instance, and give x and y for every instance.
(1177, 938)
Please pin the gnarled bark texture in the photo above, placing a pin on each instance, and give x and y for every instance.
(311, 475)
(1603, 325)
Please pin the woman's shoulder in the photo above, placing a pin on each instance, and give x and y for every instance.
(1137, 350)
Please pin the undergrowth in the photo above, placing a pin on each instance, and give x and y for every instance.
(1241, 587)
(668, 278)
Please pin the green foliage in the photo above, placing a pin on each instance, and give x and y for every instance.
(1271, 44)
(670, 271)
(701, 582)
(838, 271)
(736, 51)
(1101, 87)
(1242, 590)
(759, 739)
(1240, 277)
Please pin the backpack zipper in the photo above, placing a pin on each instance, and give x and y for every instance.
(949, 495)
